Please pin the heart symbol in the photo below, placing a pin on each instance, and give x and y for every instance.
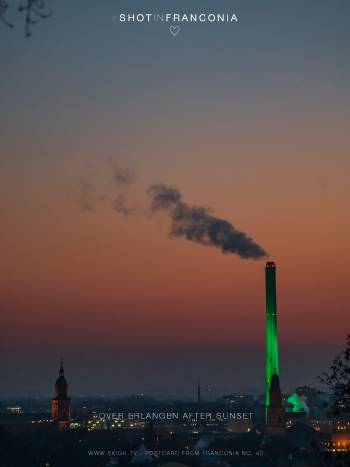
(174, 30)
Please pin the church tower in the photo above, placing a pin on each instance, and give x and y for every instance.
(60, 404)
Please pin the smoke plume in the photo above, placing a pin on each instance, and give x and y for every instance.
(94, 189)
(120, 205)
(122, 179)
(87, 195)
(196, 223)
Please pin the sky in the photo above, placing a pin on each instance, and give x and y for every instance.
(250, 119)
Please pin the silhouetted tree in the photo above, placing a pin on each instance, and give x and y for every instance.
(338, 380)
(32, 9)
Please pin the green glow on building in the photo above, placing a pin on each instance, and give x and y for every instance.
(271, 327)
(298, 404)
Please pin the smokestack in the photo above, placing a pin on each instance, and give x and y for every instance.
(271, 327)
(275, 413)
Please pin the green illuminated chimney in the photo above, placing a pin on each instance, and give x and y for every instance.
(271, 327)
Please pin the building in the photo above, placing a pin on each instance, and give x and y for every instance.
(14, 409)
(275, 413)
(61, 403)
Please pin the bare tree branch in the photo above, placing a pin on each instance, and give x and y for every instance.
(3, 9)
(33, 9)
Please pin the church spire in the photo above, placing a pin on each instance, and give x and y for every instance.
(61, 370)
(60, 404)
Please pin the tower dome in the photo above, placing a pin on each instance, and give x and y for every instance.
(61, 385)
